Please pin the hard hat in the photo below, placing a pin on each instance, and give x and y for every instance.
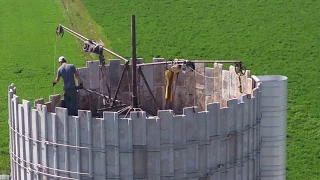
(62, 59)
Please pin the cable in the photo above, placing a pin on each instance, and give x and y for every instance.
(45, 167)
(54, 63)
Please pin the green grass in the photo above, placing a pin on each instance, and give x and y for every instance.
(270, 36)
(27, 37)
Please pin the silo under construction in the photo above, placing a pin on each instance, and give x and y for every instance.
(211, 123)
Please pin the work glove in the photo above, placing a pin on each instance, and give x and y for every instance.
(81, 86)
(53, 83)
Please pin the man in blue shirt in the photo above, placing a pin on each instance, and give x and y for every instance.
(67, 72)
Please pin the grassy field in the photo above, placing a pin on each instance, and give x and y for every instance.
(271, 37)
(27, 36)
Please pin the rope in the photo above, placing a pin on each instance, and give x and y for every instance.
(54, 63)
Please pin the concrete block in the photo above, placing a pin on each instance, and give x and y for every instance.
(208, 100)
(248, 89)
(181, 79)
(223, 137)
(112, 143)
(22, 155)
(74, 153)
(84, 96)
(98, 145)
(239, 121)
(115, 72)
(203, 130)
(199, 77)
(148, 74)
(191, 84)
(38, 101)
(139, 142)
(159, 72)
(166, 141)
(245, 146)
(27, 131)
(35, 148)
(55, 101)
(42, 115)
(233, 79)
(85, 125)
(153, 146)
(180, 143)
(125, 152)
(104, 79)
(159, 94)
(209, 81)
(200, 99)
(62, 138)
(192, 136)
(180, 98)
(94, 74)
(225, 85)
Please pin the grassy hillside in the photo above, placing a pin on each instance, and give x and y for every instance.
(271, 37)
(27, 47)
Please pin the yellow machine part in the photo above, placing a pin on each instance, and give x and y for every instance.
(170, 78)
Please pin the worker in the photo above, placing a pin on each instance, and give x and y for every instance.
(67, 72)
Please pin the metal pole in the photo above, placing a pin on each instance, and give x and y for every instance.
(134, 63)
(79, 36)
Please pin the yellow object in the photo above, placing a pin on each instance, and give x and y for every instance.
(170, 78)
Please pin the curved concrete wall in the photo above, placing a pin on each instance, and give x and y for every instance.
(219, 143)
(273, 126)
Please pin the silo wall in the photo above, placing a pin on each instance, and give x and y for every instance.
(220, 143)
(273, 126)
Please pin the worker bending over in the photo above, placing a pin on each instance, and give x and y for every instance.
(67, 72)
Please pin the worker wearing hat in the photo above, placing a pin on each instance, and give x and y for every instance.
(67, 72)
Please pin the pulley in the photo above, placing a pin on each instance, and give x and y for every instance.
(59, 31)
(240, 69)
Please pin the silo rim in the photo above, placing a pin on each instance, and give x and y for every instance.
(272, 78)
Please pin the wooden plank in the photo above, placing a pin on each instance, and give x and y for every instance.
(180, 151)
(112, 144)
(153, 146)
(192, 136)
(166, 143)
(94, 74)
